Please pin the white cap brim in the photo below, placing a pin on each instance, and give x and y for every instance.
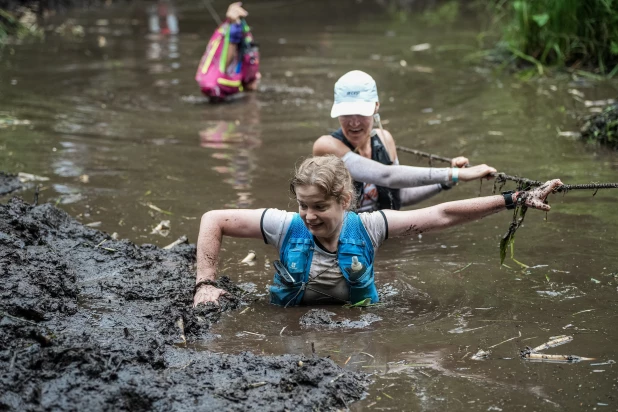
(351, 108)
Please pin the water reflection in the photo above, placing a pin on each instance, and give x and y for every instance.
(162, 18)
(234, 142)
(163, 40)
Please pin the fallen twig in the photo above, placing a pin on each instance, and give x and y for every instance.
(561, 340)
(504, 341)
(182, 239)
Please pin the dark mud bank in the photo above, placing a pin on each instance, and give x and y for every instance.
(9, 183)
(88, 322)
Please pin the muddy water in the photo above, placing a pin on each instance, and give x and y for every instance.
(120, 106)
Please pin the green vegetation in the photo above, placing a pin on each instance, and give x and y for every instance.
(445, 13)
(21, 27)
(579, 34)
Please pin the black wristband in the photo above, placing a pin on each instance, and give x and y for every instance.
(508, 199)
(202, 283)
(445, 186)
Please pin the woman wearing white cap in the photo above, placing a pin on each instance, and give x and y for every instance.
(371, 157)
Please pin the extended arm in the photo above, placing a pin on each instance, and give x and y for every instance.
(397, 177)
(405, 223)
(413, 195)
(215, 224)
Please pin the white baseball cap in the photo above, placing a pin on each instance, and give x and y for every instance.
(355, 93)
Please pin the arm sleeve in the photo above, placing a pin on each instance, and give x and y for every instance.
(376, 226)
(393, 176)
(275, 224)
(413, 195)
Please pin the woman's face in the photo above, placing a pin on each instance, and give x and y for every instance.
(356, 127)
(323, 216)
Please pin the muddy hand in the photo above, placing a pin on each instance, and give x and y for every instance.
(459, 161)
(476, 172)
(235, 12)
(536, 198)
(208, 293)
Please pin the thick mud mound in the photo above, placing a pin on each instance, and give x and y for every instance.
(88, 322)
(8, 183)
(602, 127)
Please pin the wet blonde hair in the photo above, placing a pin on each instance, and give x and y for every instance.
(329, 174)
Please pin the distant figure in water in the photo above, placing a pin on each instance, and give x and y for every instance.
(326, 250)
(162, 18)
(231, 61)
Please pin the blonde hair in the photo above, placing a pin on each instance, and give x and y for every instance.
(329, 174)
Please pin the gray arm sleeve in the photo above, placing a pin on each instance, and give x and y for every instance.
(413, 195)
(393, 176)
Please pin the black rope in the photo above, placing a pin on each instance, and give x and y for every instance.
(522, 182)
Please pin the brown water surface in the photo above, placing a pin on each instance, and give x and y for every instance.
(120, 105)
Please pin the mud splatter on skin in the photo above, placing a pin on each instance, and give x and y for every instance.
(413, 230)
(83, 327)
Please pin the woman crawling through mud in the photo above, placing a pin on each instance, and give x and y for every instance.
(326, 250)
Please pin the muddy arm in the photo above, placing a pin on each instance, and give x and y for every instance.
(411, 222)
(215, 224)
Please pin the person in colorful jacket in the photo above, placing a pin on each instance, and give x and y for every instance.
(326, 250)
(371, 156)
(231, 61)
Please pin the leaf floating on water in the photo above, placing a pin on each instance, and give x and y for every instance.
(361, 304)
(249, 258)
(27, 177)
(93, 224)
(163, 229)
(481, 355)
(592, 103)
(420, 47)
(595, 281)
(569, 134)
(576, 92)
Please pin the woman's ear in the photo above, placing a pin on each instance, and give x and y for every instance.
(346, 200)
(377, 108)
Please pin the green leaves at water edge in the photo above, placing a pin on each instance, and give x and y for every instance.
(361, 304)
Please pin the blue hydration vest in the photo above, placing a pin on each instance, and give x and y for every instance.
(297, 252)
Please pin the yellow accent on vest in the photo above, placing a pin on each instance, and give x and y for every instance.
(213, 50)
(230, 83)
